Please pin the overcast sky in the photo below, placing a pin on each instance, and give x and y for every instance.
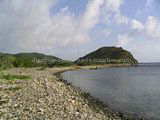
(72, 28)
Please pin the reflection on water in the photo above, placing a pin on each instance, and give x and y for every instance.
(132, 90)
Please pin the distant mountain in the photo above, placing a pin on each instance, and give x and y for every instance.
(108, 55)
(30, 60)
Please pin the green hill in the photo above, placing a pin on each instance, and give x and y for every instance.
(104, 55)
(35, 55)
(108, 55)
(37, 59)
(30, 60)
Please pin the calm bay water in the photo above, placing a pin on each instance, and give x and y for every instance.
(131, 90)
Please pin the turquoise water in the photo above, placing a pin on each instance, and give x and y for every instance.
(131, 90)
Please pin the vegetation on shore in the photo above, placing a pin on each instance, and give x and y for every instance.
(14, 77)
(29, 60)
(11, 79)
(104, 55)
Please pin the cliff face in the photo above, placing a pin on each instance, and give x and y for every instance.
(108, 55)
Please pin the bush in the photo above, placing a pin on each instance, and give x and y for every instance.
(7, 62)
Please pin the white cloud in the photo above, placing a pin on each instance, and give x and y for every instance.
(106, 32)
(91, 15)
(27, 25)
(136, 25)
(152, 27)
(120, 19)
(149, 3)
(113, 8)
(123, 40)
(19, 21)
(113, 5)
(145, 43)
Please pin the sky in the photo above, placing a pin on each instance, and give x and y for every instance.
(70, 29)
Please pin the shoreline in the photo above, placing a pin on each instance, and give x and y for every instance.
(95, 101)
(48, 96)
(102, 66)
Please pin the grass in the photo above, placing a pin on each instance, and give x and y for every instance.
(15, 77)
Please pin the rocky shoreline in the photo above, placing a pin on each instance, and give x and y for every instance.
(95, 102)
(47, 96)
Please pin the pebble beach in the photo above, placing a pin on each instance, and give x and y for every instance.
(46, 96)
